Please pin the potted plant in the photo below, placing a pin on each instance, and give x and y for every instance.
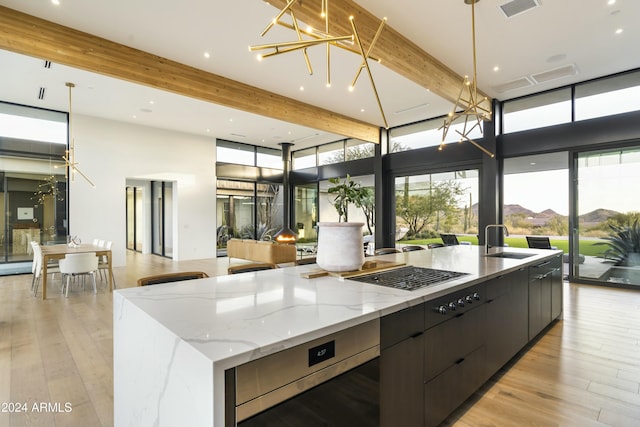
(340, 244)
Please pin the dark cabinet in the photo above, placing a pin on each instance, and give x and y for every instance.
(451, 388)
(435, 355)
(545, 294)
(556, 287)
(401, 356)
(507, 318)
(453, 363)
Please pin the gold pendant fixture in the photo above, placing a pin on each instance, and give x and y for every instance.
(306, 38)
(469, 108)
(71, 166)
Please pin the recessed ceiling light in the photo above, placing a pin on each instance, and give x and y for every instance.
(619, 31)
(151, 102)
(301, 88)
(362, 110)
(56, 2)
(207, 130)
(532, 163)
(610, 2)
(207, 55)
(496, 68)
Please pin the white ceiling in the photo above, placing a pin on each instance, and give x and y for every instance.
(556, 34)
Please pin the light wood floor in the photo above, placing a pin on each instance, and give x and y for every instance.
(584, 372)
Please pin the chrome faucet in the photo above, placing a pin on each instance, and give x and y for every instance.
(486, 234)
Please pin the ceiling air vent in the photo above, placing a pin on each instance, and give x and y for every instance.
(41, 93)
(512, 85)
(47, 64)
(556, 73)
(516, 7)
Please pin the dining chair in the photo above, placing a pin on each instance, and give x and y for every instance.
(539, 242)
(77, 265)
(385, 251)
(103, 262)
(178, 276)
(449, 239)
(36, 267)
(253, 266)
(411, 248)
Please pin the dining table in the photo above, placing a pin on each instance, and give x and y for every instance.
(59, 251)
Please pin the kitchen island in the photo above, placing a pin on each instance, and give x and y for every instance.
(174, 342)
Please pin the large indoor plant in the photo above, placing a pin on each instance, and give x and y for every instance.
(340, 244)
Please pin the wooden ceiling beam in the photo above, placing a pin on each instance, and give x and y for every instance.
(397, 53)
(28, 35)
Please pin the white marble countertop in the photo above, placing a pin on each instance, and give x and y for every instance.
(237, 318)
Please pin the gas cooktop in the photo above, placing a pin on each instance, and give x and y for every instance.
(409, 278)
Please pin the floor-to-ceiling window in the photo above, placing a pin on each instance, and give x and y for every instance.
(607, 230)
(33, 187)
(247, 210)
(434, 203)
(306, 212)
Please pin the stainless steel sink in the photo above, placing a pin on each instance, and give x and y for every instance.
(512, 255)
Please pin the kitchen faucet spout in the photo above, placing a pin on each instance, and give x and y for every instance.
(486, 234)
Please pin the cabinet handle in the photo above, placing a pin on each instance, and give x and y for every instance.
(415, 335)
(459, 361)
(542, 264)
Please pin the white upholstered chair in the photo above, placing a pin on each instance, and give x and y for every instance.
(76, 265)
(103, 263)
(36, 267)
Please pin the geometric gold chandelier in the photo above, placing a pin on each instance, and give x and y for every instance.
(309, 37)
(468, 108)
(71, 166)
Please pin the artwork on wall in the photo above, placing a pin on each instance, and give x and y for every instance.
(25, 214)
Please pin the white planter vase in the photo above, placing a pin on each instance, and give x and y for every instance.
(340, 246)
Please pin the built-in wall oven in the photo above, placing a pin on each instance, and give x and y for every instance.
(331, 381)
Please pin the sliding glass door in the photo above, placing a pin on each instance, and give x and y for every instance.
(607, 230)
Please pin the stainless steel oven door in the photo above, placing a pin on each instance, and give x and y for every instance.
(333, 381)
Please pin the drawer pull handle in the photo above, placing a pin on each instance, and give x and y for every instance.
(415, 335)
(459, 361)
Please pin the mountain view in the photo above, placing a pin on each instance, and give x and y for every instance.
(521, 220)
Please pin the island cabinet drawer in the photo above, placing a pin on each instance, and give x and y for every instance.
(444, 393)
(451, 341)
(399, 326)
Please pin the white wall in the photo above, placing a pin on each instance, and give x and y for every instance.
(111, 152)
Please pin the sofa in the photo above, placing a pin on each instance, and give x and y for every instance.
(261, 251)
